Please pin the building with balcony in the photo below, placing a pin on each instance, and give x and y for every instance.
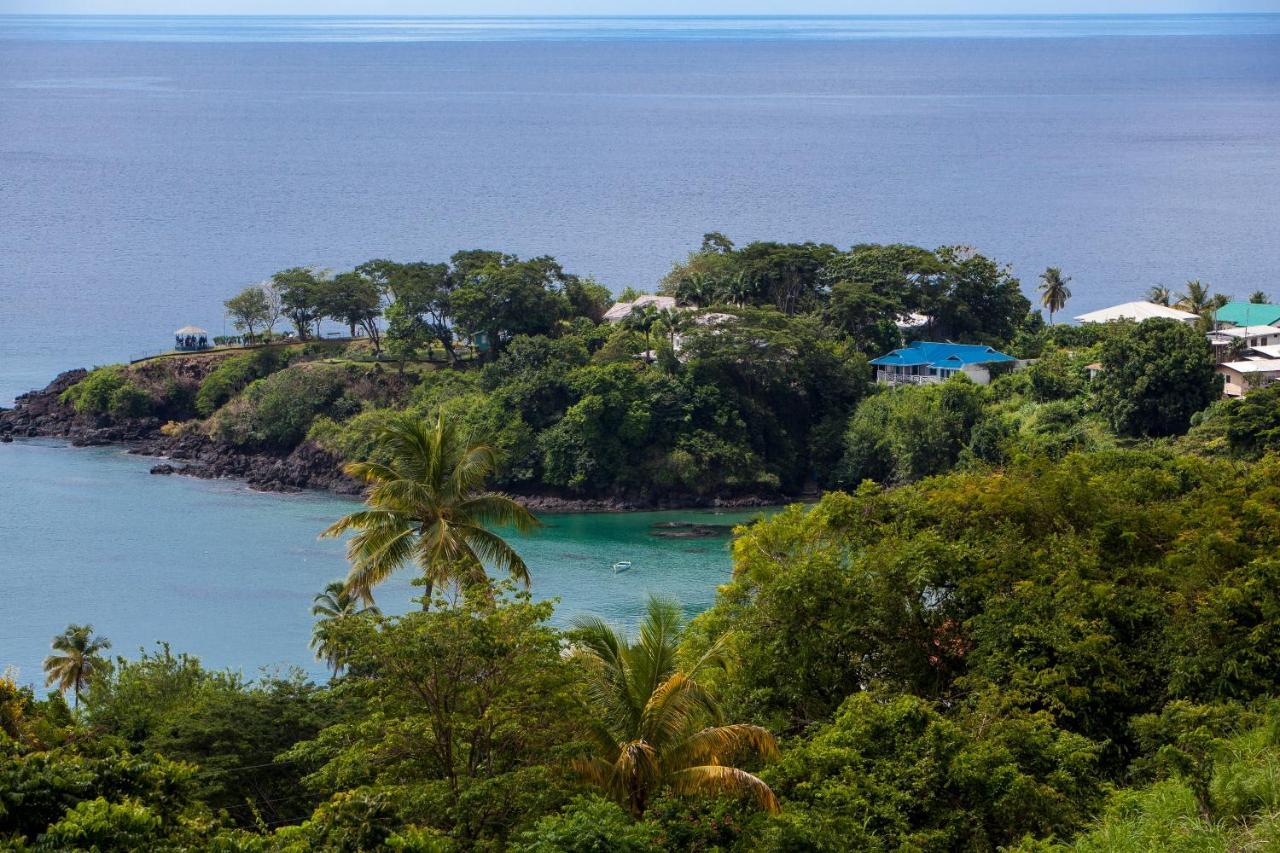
(927, 362)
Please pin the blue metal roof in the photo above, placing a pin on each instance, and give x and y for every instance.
(934, 354)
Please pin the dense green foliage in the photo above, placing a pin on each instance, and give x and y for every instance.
(108, 391)
(1041, 614)
(1070, 652)
(1154, 379)
(1235, 808)
(233, 374)
(756, 384)
(274, 413)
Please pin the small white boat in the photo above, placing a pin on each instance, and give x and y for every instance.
(621, 566)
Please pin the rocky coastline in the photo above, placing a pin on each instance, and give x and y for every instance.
(42, 414)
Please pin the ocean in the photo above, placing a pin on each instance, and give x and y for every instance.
(151, 167)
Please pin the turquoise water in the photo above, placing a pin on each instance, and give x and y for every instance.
(228, 574)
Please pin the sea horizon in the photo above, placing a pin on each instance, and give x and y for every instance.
(159, 158)
(428, 28)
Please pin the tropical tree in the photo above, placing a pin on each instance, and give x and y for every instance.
(642, 319)
(1258, 297)
(696, 288)
(299, 290)
(250, 310)
(354, 300)
(1160, 295)
(1196, 298)
(673, 322)
(1054, 292)
(76, 660)
(1154, 377)
(428, 506)
(331, 605)
(654, 726)
(737, 288)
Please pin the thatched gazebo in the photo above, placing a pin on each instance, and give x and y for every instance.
(190, 339)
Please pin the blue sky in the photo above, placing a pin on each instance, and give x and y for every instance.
(629, 7)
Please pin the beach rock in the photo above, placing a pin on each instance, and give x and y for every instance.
(163, 469)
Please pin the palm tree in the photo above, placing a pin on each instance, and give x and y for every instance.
(737, 288)
(674, 322)
(1195, 299)
(653, 726)
(428, 506)
(78, 662)
(1259, 298)
(642, 319)
(1054, 292)
(331, 605)
(695, 289)
(1160, 295)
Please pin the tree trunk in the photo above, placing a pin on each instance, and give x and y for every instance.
(426, 597)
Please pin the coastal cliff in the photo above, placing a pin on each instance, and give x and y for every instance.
(191, 451)
(45, 414)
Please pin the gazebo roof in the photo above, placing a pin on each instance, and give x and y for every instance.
(191, 330)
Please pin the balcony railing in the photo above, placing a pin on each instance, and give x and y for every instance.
(885, 377)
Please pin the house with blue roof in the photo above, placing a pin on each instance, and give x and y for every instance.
(927, 362)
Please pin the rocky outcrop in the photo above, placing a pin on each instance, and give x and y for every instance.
(634, 503)
(309, 466)
(194, 454)
(43, 414)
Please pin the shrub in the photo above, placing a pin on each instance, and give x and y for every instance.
(108, 391)
(233, 374)
(100, 825)
(129, 401)
(908, 433)
(1054, 377)
(590, 824)
(275, 413)
(1253, 424)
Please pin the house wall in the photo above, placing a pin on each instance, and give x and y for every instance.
(1237, 384)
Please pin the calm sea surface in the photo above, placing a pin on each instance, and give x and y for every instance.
(151, 167)
(88, 535)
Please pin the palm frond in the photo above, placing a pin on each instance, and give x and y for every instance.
(669, 715)
(594, 771)
(713, 779)
(654, 657)
(363, 520)
(371, 472)
(720, 744)
(496, 509)
(375, 554)
(493, 550)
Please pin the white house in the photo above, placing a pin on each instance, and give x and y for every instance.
(1137, 312)
(622, 310)
(1253, 336)
(1241, 377)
